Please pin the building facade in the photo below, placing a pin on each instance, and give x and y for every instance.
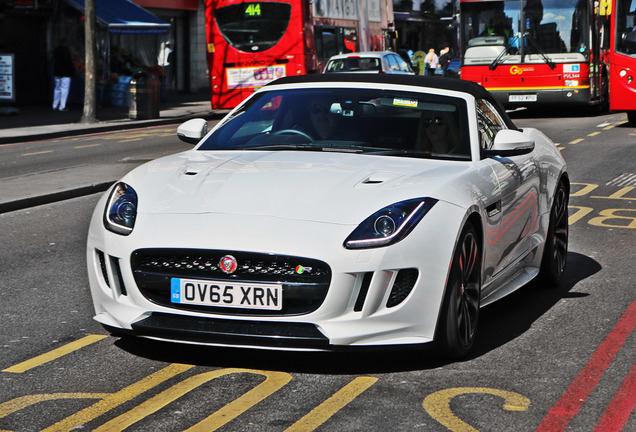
(31, 29)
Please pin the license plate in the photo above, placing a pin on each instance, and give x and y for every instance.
(522, 98)
(224, 294)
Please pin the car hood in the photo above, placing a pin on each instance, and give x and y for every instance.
(325, 187)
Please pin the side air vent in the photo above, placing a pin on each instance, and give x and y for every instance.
(364, 289)
(102, 265)
(402, 287)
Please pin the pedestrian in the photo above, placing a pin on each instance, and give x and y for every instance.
(430, 62)
(444, 59)
(63, 70)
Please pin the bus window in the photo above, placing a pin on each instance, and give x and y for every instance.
(253, 27)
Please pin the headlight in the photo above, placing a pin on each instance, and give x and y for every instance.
(389, 225)
(121, 209)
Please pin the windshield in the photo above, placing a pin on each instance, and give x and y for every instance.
(549, 26)
(626, 27)
(348, 120)
(253, 26)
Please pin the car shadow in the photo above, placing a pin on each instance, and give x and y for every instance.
(508, 318)
(499, 324)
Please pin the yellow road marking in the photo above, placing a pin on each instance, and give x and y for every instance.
(593, 134)
(588, 187)
(113, 400)
(22, 402)
(576, 141)
(87, 146)
(620, 194)
(579, 214)
(335, 403)
(37, 153)
(54, 354)
(273, 382)
(437, 405)
(609, 127)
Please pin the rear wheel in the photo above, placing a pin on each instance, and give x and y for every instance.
(556, 243)
(460, 311)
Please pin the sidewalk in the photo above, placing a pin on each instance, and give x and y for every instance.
(37, 123)
(34, 123)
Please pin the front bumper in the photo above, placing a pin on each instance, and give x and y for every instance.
(383, 296)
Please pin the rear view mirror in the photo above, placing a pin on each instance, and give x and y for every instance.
(192, 131)
(509, 142)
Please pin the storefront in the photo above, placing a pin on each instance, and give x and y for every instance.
(129, 40)
(23, 34)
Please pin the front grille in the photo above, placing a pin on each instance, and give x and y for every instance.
(305, 281)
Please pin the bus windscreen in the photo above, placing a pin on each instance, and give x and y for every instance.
(253, 27)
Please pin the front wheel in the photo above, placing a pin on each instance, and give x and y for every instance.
(556, 243)
(460, 310)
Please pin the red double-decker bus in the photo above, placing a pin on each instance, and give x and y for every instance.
(621, 55)
(251, 43)
(529, 52)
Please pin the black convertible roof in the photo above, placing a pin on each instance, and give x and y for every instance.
(412, 80)
(452, 84)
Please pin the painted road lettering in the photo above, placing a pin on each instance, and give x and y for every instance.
(437, 405)
(624, 218)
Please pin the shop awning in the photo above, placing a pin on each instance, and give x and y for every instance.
(123, 16)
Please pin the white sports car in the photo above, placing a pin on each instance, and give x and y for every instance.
(333, 211)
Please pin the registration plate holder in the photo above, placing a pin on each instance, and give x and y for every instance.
(522, 97)
(229, 294)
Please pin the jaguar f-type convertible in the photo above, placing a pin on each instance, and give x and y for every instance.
(333, 211)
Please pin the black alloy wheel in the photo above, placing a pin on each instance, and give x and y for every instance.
(556, 243)
(460, 312)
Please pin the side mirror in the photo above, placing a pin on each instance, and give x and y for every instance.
(510, 142)
(192, 131)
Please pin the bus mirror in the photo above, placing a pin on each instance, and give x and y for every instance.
(192, 131)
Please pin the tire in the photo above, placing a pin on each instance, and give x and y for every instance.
(460, 310)
(556, 242)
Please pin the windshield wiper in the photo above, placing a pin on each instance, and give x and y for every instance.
(542, 53)
(413, 153)
(496, 62)
(284, 147)
(503, 53)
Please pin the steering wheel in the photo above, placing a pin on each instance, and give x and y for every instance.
(293, 131)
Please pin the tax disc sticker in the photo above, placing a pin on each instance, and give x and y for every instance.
(411, 103)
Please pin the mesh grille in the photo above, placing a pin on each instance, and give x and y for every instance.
(305, 281)
(402, 287)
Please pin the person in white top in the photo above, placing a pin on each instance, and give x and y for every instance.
(430, 62)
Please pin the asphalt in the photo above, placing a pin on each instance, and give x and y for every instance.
(41, 123)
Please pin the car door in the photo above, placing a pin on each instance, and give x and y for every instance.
(517, 208)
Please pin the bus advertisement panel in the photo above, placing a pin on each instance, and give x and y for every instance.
(251, 43)
(529, 52)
